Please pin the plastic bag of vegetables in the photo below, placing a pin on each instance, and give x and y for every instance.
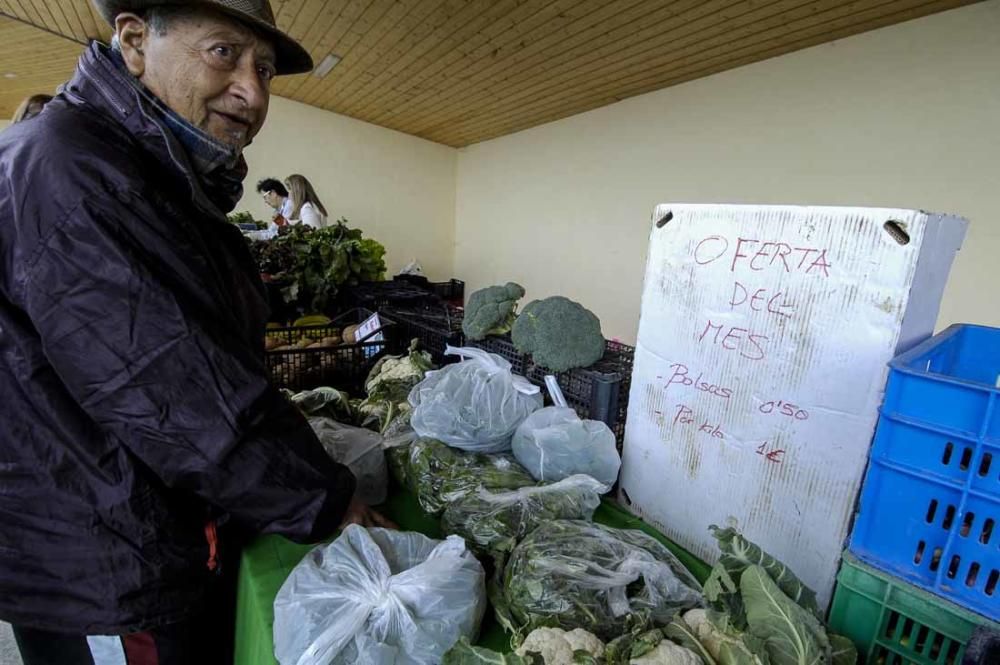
(475, 405)
(389, 384)
(379, 597)
(439, 474)
(575, 574)
(361, 451)
(494, 522)
(554, 443)
(324, 402)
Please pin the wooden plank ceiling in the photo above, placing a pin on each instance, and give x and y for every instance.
(463, 71)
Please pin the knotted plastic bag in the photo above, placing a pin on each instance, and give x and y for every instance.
(475, 405)
(554, 443)
(379, 597)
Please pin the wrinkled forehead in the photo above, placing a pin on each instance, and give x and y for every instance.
(197, 24)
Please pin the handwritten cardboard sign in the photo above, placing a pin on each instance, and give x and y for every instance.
(761, 363)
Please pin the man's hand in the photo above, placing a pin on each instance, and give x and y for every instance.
(361, 514)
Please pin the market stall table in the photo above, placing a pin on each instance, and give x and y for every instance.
(267, 563)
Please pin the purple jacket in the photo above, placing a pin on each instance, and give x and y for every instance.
(134, 400)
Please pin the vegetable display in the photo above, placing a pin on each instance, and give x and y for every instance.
(389, 384)
(555, 646)
(324, 402)
(313, 264)
(560, 334)
(491, 311)
(560, 647)
(463, 653)
(474, 405)
(438, 474)
(760, 614)
(245, 218)
(493, 522)
(575, 574)
(379, 596)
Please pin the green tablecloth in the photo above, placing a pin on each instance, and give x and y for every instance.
(268, 562)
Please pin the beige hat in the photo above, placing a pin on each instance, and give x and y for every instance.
(291, 57)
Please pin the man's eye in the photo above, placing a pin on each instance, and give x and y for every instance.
(266, 72)
(224, 52)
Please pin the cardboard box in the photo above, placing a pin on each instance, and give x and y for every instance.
(761, 364)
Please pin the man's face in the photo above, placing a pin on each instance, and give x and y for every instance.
(211, 70)
(272, 199)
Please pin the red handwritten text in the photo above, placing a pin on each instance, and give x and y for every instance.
(761, 255)
(685, 416)
(715, 430)
(761, 301)
(748, 344)
(770, 453)
(785, 409)
(680, 377)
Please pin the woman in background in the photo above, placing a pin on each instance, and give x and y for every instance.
(30, 107)
(306, 206)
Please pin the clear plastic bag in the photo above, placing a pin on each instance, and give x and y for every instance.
(574, 574)
(494, 522)
(475, 405)
(379, 597)
(361, 451)
(554, 443)
(438, 474)
(324, 402)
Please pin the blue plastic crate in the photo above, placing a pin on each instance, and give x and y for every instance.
(930, 507)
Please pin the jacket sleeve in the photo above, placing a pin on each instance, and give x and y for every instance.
(133, 321)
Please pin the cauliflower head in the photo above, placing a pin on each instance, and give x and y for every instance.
(668, 653)
(556, 646)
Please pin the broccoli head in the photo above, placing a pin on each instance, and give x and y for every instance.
(491, 311)
(560, 334)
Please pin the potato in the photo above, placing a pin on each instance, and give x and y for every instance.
(330, 341)
(272, 343)
(350, 334)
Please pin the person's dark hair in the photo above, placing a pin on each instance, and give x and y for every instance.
(30, 107)
(272, 185)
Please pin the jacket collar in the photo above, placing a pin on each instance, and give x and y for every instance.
(213, 171)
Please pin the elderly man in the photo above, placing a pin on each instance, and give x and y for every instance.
(137, 424)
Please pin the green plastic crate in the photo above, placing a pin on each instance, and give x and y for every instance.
(895, 623)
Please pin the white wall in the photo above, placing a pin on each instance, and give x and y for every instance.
(399, 189)
(906, 116)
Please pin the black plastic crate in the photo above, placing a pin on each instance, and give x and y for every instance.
(435, 327)
(378, 295)
(344, 366)
(502, 346)
(599, 392)
(452, 291)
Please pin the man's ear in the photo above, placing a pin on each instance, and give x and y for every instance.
(133, 37)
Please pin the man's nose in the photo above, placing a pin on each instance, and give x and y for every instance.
(250, 88)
